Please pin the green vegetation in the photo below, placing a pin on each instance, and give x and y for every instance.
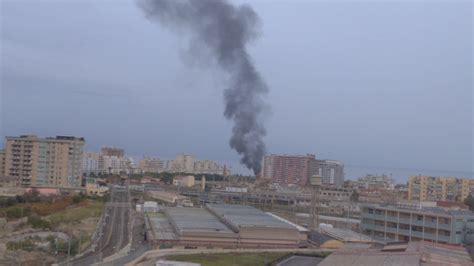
(75, 215)
(37, 222)
(63, 246)
(26, 244)
(237, 259)
(469, 201)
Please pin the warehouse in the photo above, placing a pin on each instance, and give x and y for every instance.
(256, 228)
(229, 226)
(198, 227)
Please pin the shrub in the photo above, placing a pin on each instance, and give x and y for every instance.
(16, 212)
(37, 222)
(26, 244)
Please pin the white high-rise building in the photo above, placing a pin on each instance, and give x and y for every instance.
(90, 163)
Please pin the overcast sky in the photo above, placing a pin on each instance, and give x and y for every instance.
(368, 83)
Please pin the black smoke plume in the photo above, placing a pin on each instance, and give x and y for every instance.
(224, 31)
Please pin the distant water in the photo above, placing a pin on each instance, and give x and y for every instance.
(400, 175)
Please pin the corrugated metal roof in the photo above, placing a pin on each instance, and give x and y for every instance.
(243, 215)
(195, 219)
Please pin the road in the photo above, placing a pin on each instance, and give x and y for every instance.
(114, 229)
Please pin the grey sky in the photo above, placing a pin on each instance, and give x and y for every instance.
(369, 83)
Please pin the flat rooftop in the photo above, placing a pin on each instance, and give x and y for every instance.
(161, 226)
(345, 235)
(427, 210)
(243, 215)
(195, 220)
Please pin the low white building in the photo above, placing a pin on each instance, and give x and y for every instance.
(150, 206)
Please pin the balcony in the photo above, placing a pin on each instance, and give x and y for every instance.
(404, 220)
(444, 238)
(379, 217)
(444, 226)
(405, 232)
(430, 224)
(417, 222)
(417, 234)
(379, 228)
(391, 230)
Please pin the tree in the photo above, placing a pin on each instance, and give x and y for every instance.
(469, 201)
(355, 196)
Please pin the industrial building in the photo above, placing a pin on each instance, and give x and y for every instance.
(417, 222)
(413, 253)
(223, 225)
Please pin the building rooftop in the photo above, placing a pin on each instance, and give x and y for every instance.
(150, 204)
(413, 253)
(243, 215)
(427, 210)
(195, 220)
(298, 227)
(345, 235)
(161, 227)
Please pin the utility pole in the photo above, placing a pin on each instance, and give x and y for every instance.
(68, 250)
(315, 204)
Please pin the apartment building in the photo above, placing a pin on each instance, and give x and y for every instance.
(112, 151)
(288, 169)
(184, 163)
(375, 182)
(150, 165)
(2, 162)
(431, 188)
(416, 222)
(297, 170)
(330, 171)
(90, 163)
(114, 164)
(210, 167)
(37, 161)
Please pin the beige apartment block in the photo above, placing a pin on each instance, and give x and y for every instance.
(47, 162)
(431, 188)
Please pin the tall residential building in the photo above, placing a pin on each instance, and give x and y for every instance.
(90, 163)
(44, 161)
(112, 151)
(297, 170)
(330, 171)
(415, 223)
(184, 163)
(431, 188)
(150, 165)
(288, 169)
(114, 164)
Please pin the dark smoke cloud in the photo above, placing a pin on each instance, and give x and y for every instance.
(224, 30)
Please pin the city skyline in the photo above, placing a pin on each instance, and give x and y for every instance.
(414, 113)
